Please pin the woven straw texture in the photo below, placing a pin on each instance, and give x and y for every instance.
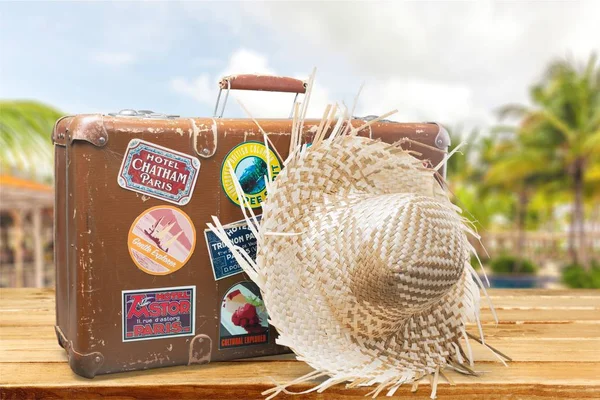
(363, 264)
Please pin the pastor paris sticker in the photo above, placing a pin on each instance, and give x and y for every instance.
(161, 240)
(251, 164)
(158, 313)
(158, 172)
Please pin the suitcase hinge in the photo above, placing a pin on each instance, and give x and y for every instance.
(60, 137)
(89, 128)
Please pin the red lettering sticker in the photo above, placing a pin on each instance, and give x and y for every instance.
(158, 313)
(159, 172)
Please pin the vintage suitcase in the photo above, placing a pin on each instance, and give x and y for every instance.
(140, 283)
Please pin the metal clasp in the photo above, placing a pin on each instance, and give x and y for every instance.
(224, 101)
(227, 97)
(142, 114)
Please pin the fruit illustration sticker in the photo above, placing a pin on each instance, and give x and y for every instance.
(159, 172)
(161, 240)
(251, 164)
(158, 313)
(244, 319)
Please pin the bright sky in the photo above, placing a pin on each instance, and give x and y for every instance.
(448, 62)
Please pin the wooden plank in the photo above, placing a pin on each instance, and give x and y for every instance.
(32, 319)
(511, 332)
(540, 332)
(45, 316)
(543, 302)
(553, 336)
(43, 299)
(29, 297)
(523, 342)
(555, 350)
(231, 380)
(26, 298)
(525, 350)
(544, 292)
(514, 316)
(25, 294)
(17, 332)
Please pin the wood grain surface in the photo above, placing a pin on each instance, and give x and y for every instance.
(552, 336)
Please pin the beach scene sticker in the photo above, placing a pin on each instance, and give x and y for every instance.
(251, 164)
(161, 240)
(244, 319)
(159, 172)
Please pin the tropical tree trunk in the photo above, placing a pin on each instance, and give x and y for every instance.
(521, 232)
(577, 220)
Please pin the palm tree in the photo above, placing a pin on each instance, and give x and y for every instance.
(565, 121)
(481, 201)
(515, 168)
(25, 143)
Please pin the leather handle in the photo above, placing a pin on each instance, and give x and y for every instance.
(267, 83)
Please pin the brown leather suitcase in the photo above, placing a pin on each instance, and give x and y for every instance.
(140, 283)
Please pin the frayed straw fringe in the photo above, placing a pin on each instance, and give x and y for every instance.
(390, 384)
(459, 360)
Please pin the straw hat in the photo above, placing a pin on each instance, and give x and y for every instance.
(363, 264)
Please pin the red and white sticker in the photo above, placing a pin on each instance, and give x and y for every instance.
(158, 313)
(161, 240)
(159, 172)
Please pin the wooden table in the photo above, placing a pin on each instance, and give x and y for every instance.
(553, 337)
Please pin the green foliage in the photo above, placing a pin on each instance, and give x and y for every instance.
(506, 264)
(255, 301)
(480, 205)
(480, 202)
(576, 276)
(25, 143)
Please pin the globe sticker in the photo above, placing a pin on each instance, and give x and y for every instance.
(161, 240)
(251, 164)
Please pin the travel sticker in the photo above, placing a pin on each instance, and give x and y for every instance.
(158, 313)
(161, 240)
(222, 261)
(249, 161)
(159, 172)
(244, 319)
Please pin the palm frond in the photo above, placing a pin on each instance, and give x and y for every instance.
(512, 111)
(25, 144)
(591, 144)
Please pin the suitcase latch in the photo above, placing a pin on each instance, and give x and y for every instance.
(142, 114)
(204, 138)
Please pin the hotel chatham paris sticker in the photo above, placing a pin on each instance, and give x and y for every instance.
(251, 164)
(161, 240)
(158, 172)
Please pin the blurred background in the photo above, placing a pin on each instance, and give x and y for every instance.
(519, 82)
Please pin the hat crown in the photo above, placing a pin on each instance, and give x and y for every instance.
(412, 253)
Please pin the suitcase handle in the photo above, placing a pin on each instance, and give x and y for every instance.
(267, 83)
(264, 83)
